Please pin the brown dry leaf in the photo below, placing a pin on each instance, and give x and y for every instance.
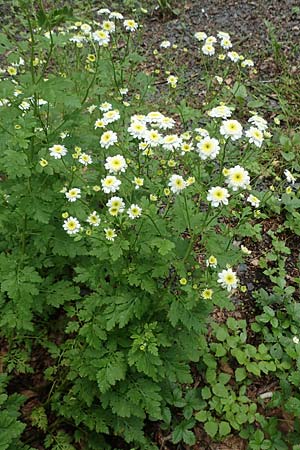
(232, 443)
(28, 393)
(188, 6)
(287, 422)
(226, 368)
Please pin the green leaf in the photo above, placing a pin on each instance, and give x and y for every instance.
(240, 374)
(293, 406)
(188, 437)
(206, 393)
(211, 428)
(255, 104)
(224, 428)
(239, 90)
(221, 333)
(220, 350)
(201, 416)
(113, 370)
(253, 368)
(164, 246)
(177, 435)
(15, 164)
(62, 292)
(220, 390)
(5, 44)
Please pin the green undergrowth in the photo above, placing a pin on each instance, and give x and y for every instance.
(149, 258)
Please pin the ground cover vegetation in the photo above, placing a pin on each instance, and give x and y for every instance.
(149, 264)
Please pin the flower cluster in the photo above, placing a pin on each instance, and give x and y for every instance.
(222, 39)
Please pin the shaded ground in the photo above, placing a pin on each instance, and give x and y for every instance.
(245, 20)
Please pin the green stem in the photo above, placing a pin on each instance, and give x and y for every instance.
(187, 212)
(223, 159)
(147, 215)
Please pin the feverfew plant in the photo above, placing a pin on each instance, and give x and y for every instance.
(117, 218)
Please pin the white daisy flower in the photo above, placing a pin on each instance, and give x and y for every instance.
(233, 56)
(217, 196)
(91, 109)
(93, 219)
(211, 40)
(139, 182)
(85, 159)
(200, 36)
(137, 129)
(85, 28)
(255, 136)
(177, 183)
(108, 139)
(220, 111)
(41, 102)
(153, 138)
(4, 101)
(109, 26)
(100, 123)
(231, 129)
(105, 106)
(289, 177)
(245, 250)
(57, 151)
(154, 117)
(166, 123)
(73, 194)
(172, 80)
(24, 106)
(64, 134)
(212, 261)
(130, 25)
(117, 203)
(259, 122)
(171, 142)
(116, 15)
(103, 11)
(78, 39)
(226, 43)
(208, 49)
(110, 184)
(254, 201)
(71, 225)
(223, 35)
(134, 211)
(228, 279)
(165, 44)
(138, 118)
(123, 91)
(186, 147)
(110, 234)
(247, 63)
(202, 132)
(237, 178)
(208, 148)
(111, 116)
(115, 164)
(101, 36)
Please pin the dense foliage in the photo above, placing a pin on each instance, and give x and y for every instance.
(122, 240)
